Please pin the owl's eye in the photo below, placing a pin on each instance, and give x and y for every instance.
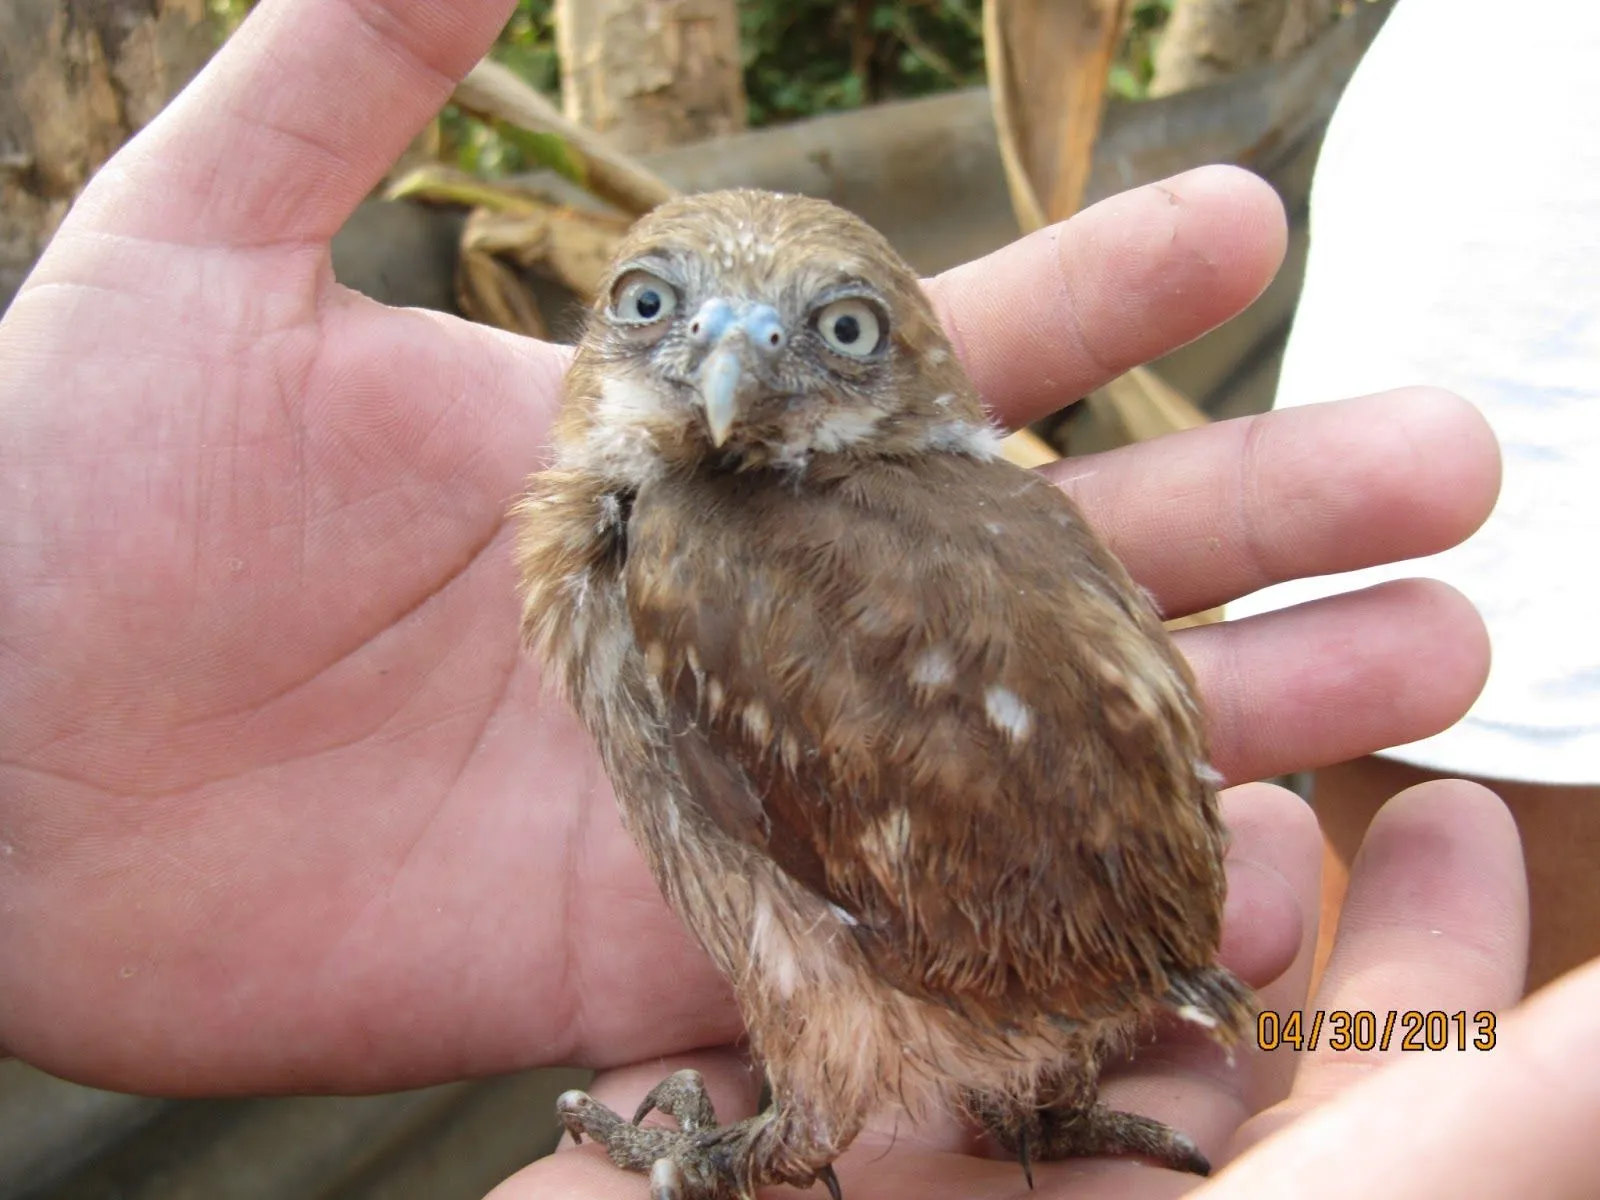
(641, 298)
(851, 328)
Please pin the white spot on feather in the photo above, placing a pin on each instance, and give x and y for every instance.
(897, 829)
(757, 721)
(1196, 1016)
(577, 586)
(963, 437)
(771, 945)
(1008, 713)
(609, 648)
(933, 668)
(655, 657)
(890, 837)
(843, 917)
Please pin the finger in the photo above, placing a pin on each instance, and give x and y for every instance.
(1207, 516)
(293, 122)
(1435, 920)
(1274, 857)
(1058, 313)
(1337, 678)
(1517, 1120)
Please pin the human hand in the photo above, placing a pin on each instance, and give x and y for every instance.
(1435, 920)
(281, 803)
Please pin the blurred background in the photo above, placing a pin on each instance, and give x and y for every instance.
(952, 125)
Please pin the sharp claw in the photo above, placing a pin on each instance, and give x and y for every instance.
(666, 1180)
(568, 1105)
(1025, 1156)
(681, 1096)
(830, 1180)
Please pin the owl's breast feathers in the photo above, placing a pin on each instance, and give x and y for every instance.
(930, 696)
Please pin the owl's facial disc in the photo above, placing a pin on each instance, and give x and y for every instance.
(740, 342)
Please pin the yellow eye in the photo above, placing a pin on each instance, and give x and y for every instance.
(851, 328)
(641, 298)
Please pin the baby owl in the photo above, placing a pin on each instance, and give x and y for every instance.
(903, 744)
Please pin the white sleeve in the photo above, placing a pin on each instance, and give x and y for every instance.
(1455, 241)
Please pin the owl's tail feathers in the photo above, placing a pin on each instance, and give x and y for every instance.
(1214, 999)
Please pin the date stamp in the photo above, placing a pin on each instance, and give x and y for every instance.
(1364, 1029)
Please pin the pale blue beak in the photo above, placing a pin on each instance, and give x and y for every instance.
(743, 338)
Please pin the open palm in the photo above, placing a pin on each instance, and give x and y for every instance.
(281, 803)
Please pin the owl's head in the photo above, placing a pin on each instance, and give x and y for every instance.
(749, 329)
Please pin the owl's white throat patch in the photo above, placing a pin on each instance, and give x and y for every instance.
(619, 443)
(838, 429)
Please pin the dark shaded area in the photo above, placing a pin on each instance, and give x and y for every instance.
(456, 1142)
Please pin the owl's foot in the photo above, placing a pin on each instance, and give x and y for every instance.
(1048, 1134)
(700, 1160)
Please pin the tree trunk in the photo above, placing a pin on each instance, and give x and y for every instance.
(77, 78)
(1207, 40)
(652, 73)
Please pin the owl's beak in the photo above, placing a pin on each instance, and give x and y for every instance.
(742, 342)
(721, 377)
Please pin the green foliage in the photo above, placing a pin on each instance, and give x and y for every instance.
(228, 13)
(1131, 73)
(528, 46)
(804, 57)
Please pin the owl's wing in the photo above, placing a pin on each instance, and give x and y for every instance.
(930, 696)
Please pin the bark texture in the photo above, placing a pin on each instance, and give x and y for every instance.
(652, 73)
(1207, 40)
(77, 78)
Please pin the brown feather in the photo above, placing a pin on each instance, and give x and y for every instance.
(870, 623)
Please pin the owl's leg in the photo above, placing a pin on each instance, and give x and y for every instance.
(1074, 1124)
(699, 1160)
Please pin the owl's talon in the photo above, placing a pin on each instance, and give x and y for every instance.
(683, 1097)
(700, 1160)
(581, 1114)
(1025, 1155)
(1069, 1131)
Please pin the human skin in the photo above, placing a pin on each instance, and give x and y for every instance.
(282, 804)
(1560, 833)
